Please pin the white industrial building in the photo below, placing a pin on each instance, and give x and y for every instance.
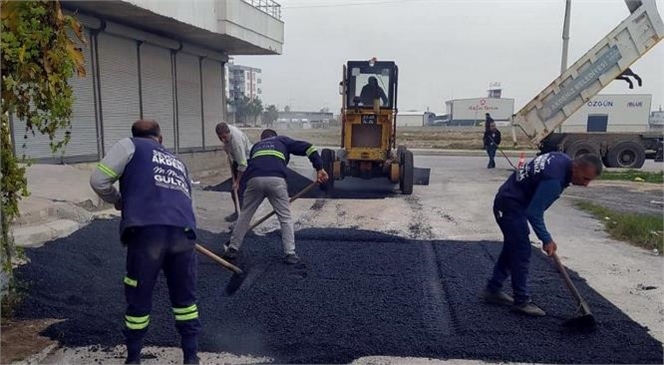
(611, 113)
(471, 112)
(161, 60)
(414, 119)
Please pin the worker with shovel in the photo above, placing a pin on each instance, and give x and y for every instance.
(523, 198)
(158, 227)
(237, 146)
(266, 178)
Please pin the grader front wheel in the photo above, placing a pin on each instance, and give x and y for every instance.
(407, 173)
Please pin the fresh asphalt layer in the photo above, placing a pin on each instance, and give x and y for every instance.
(356, 293)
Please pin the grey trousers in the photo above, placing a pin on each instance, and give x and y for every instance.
(276, 192)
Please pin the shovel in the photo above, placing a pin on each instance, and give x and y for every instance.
(238, 279)
(585, 321)
(238, 275)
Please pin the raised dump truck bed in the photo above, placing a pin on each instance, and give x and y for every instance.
(608, 59)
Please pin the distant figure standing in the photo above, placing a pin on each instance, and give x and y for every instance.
(488, 122)
(491, 142)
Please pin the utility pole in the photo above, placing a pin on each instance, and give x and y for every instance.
(563, 60)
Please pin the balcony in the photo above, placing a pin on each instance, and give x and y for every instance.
(234, 27)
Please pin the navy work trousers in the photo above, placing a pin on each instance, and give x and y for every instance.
(151, 249)
(491, 151)
(514, 259)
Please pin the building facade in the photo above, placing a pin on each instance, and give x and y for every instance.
(244, 81)
(161, 60)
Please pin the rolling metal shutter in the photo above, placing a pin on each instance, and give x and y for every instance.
(83, 143)
(120, 106)
(157, 90)
(213, 100)
(190, 120)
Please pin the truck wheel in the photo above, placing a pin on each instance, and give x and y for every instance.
(627, 154)
(328, 157)
(408, 172)
(582, 148)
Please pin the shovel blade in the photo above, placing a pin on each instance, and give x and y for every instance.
(234, 283)
(583, 323)
(421, 175)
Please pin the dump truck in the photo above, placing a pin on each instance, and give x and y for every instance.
(608, 60)
(368, 129)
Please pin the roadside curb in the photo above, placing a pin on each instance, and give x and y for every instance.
(37, 235)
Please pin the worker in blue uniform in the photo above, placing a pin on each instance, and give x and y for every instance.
(265, 177)
(522, 199)
(158, 228)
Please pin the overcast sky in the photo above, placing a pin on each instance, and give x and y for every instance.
(444, 48)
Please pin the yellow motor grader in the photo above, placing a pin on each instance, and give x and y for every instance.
(368, 128)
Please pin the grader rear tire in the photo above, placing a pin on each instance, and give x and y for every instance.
(407, 173)
(328, 157)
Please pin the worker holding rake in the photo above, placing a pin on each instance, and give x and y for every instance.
(265, 177)
(522, 199)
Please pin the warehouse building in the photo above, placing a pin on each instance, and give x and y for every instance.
(161, 60)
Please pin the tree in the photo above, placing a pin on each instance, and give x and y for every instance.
(270, 115)
(241, 108)
(255, 109)
(287, 109)
(325, 110)
(38, 59)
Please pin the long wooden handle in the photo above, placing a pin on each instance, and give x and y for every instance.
(273, 212)
(292, 199)
(570, 284)
(219, 260)
(236, 200)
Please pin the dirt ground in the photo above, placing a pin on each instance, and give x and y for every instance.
(21, 339)
(412, 137)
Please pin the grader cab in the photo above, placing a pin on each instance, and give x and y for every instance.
(368, 127)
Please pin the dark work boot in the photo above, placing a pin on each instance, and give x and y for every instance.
(134, 353)
(190, 351)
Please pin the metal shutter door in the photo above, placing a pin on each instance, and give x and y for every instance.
(83, 143)
(157, 89)
(213, 100)
(190, 121)
(118, 70)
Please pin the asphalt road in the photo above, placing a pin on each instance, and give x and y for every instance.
(384, 275)
(357, 293)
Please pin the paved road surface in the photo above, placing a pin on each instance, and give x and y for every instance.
(387, 275)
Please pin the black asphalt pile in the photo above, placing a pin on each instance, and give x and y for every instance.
(349, 188)
(357, 293)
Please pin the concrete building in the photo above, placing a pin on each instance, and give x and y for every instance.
(412, 118)
(243, 81)
(471, 112)
(162, 60)
(303, 120)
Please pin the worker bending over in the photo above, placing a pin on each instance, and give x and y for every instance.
(266, 178)
(158, 227)
(523, 198)
(237, 146)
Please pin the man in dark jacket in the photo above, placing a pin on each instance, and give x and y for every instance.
(265, 177)
(491, 142)
(158, 227)
(522, 199)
